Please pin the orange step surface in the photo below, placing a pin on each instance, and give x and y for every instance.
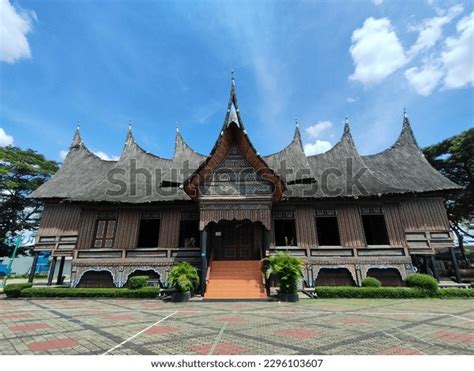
(237, 279)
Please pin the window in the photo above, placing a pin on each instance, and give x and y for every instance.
(328, 231)
(104, 233)
(285, 227)
(149, 232)
(374, 226)
(189, 233)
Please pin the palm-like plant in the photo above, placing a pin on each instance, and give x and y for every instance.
(183, 277)
(287, 269)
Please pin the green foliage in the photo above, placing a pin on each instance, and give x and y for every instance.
(137, 282)
(14, 290)
(287, 269)
(183, 277)
(454, 158)
(371, 282)
(46, 292)
(371, 292)
(21, 172)
(423, 281)
(26, 275)
(455, 293)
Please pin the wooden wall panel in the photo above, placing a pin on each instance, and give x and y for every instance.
(86, 228)
(169, 228)
(126, 234)
(305, 226)
(428, 214)
(350, 225)
(59, 220)
(394, 223)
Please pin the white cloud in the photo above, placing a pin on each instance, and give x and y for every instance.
(62, 154)
(377, 2)
(317, 147)
(5, 139)
(431, 30)
(352, 99)
(14, 26)
(458, 55)
(105, 156)
(316, 130)
(376, 51)
(425, 79)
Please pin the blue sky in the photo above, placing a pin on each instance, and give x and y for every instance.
(161, 62)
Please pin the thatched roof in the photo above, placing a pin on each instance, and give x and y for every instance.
(339, 172)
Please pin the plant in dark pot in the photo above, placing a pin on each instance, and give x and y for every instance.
(184, 279)
(287, 270)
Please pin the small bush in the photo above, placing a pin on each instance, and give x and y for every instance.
(137, 282)
(43, 292)
(422, 281)
(371, 282)
(183, 277)
(472, 284)
(287, 269)
(371, 292)
(14, 290)
(455, 293)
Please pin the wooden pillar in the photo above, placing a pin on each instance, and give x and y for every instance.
(33, 266)
(203, 236)
(59, 281)
(265, 243)
(52, 268)
(433, 267)
(455, 264)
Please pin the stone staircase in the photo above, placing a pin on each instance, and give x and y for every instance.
(237, 279)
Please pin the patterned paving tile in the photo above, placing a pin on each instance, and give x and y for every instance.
(354, 326)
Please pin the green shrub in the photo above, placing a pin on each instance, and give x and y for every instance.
(287, 269)
(137, 282)
(472, 284)
(371, 282)
(371, 292)
(45, 292)
(422, 281)
(183, 277)
(455, 293)
(14, 290)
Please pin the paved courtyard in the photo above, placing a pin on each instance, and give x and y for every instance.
(119, 326)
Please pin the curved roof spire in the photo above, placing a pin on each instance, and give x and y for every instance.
(406, 135)
(77, 140)
(233, 112)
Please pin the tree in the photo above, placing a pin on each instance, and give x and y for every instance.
(21, 172)
(454, 158)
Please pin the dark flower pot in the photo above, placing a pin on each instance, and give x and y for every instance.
(291, 298)
(180, 297)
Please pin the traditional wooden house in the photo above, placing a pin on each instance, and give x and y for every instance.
(348, 216)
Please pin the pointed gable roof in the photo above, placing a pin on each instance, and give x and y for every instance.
(80, 172)
(233, 132)
(291, 162)
(404, 166)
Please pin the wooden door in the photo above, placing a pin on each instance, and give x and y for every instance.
(237, 241)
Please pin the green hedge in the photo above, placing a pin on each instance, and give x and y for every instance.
(371, 292)
(14, 290)
(455, 293)
(371, 282)
(44, 292)
(137, 282)
(422, 281)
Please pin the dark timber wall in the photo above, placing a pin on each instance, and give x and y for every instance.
(425, 214)
(59, 220)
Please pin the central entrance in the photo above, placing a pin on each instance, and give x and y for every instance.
(236, 240)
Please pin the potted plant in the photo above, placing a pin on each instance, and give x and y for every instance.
(287, 270)
(184, 279)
